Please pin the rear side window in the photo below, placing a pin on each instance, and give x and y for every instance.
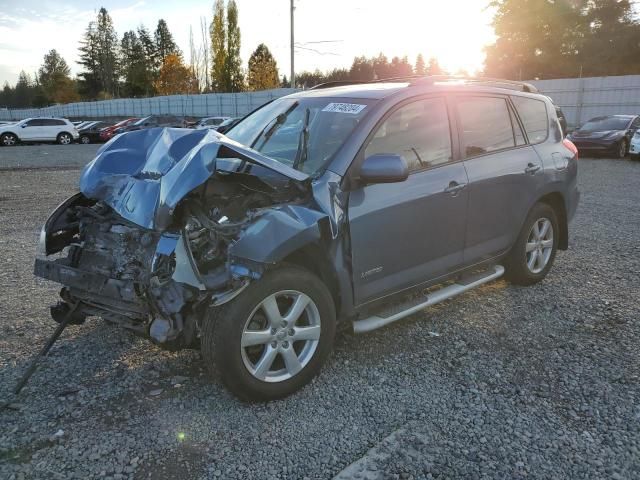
(533, 114)
(486, 125)
(419, 132)
(50, 122)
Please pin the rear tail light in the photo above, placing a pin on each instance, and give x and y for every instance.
(569, 144)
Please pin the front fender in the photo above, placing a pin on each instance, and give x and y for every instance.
(277, 232)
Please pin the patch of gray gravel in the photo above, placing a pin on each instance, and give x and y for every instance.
(46, 156)
(537, 382)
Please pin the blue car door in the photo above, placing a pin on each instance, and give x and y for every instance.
(403, 234)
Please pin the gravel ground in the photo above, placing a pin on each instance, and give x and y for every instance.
(46, 156)
(503, 382)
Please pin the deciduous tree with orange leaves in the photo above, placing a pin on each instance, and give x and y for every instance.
(175, 77)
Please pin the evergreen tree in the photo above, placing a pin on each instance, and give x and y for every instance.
(23, 94)
(434, 67)
(420, 68)
(164, 42)
(218, 47)
(135, 70)
(150, 54)
(89, 81)
(233, 77)
(263, 70)
(54, 83)
(98, 56)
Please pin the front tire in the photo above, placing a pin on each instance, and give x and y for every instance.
(84, 139)
(274, 337)
(8, 139)
(64, 138)
(534, 251)
(621, 151)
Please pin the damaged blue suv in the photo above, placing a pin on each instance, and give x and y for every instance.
(354, 204)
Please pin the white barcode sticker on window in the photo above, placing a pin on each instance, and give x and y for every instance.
(352, 108)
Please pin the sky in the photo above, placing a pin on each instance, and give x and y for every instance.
(329, 33)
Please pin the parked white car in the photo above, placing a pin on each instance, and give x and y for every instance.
(634, 145)
(210, 122)
(59, 130)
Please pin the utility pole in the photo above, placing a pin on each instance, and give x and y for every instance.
(293, 72)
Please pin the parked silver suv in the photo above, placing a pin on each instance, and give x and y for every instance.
(331, 205)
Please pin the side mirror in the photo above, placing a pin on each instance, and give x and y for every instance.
(384, 168)
(23, 125)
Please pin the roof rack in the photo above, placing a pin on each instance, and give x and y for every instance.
(499, 82)
(415, 80)
(336, 83)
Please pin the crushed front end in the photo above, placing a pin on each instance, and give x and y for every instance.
(156, 236)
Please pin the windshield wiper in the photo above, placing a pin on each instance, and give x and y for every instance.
(270, 128)
(303, 141)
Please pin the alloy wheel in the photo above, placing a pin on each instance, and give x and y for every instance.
(622, 149)
(539, 245)
(65, 139)
(276, 346)
(8, 140)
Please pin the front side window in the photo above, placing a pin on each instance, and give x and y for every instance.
(33, 123)
(533, 114)
(418, 131)
(485, 124)
(303, 133)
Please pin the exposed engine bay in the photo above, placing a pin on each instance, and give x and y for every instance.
(158, 283)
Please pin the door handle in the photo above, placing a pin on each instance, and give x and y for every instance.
(454, 187)
(531, 168)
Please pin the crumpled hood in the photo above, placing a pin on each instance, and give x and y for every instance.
(143, 175)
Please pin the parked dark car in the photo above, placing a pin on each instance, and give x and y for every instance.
(154, 121)
(254, 246)
(90, 132)
(108, 132)
(610, 135)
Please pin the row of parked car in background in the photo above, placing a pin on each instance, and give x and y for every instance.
(612, 135)
(64, 132)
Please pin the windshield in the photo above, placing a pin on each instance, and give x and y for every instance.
(303, 133)
(602, 124)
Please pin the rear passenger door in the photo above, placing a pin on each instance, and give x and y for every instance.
(403, 234)
(51, 128)
(505, 174)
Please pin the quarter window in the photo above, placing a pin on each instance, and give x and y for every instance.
(533, 114)
(486, 125)
(419, 132)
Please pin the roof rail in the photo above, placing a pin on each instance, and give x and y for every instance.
(336, 83)
(499, 82)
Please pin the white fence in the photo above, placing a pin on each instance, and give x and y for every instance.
(201, 105)
(579, 98)
(585, 98)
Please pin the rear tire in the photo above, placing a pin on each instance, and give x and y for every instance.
(261, 353)
(8, 139)
(64, 138)
(534, 251)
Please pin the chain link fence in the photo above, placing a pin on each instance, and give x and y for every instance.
(200, 105)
